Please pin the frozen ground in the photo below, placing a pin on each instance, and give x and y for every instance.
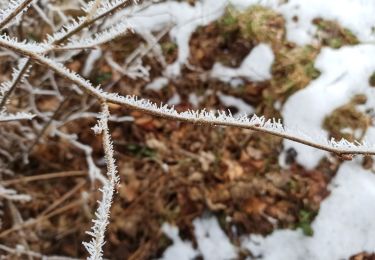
(344, 225)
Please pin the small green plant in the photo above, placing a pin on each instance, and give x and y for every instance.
(305, 218)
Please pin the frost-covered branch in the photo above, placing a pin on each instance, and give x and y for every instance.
(5, 117)
(7, 87)
(95, 246)
(14, 8)
(11, 194)
(342, 147)
(98, 38)
(106, 8)
(18, 75)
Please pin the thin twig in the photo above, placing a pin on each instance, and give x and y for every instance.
(91, 21)
(45, 176)
(32, 222)
(21, 7)
(15, 81)
(60, 200)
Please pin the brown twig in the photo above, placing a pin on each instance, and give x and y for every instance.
(32, 222)
(45, 176)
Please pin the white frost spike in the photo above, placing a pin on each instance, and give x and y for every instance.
(30, 46)
(97, 129)
(99, 38)
(274, 127)
(73, 25)
(95, 246)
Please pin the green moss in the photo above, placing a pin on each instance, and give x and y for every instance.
(169, 47)
(331, 34)
(229, 19)
(140, 151)
(311, 71)
(102, 77)
(347, 117)
(261, 24)
(294, 68)
(305, 218)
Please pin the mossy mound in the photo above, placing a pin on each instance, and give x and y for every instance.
(261, 24)
(331, 34)
(347, 121)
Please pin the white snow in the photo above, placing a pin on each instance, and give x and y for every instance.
(256, 66)
(212, 241)
(157, 84)
(179, 249)
(356, 15)
(345, 73)
(242, 107)
(174, 100)
(90, 61)
(194, 100)
(344, 226)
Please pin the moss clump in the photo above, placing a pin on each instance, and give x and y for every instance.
(169, 49)
(346, 120)
(229, 21)
(102, 77)
(220, 41)
(294, 69)
(261, 24)
(331, 34)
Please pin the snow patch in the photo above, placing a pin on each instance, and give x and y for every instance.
(345, 73)
(157, 84)
(174, 100)
(212, 241)
(230, 101)
(256, 66)
(343, 227)
(180, 249)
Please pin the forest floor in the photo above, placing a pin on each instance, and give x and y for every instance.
(173, 172)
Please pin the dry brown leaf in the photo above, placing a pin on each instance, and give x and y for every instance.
(234, 170)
